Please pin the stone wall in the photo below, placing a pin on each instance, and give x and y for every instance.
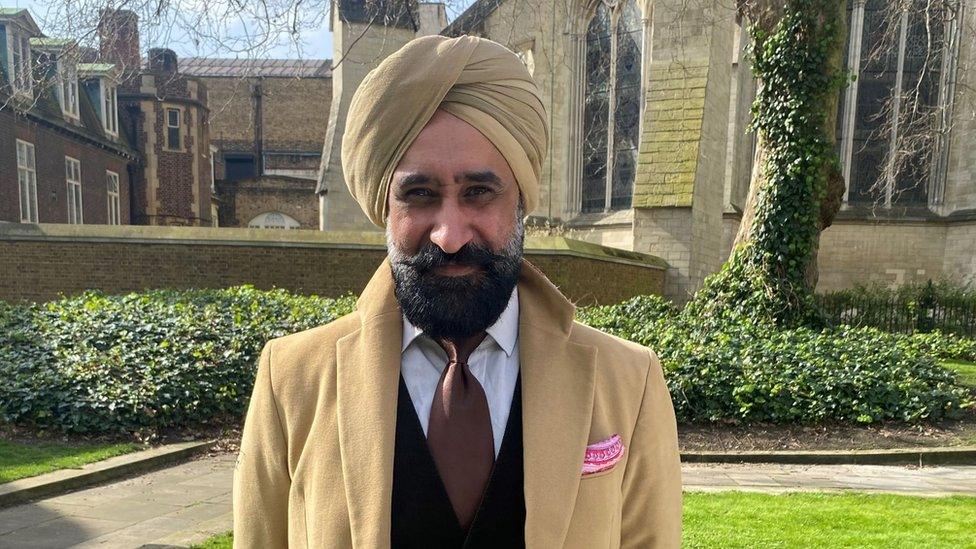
(41, 261)
(891, 253)
(960, 252)
(668, 231)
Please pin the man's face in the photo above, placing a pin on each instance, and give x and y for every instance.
(454, 231)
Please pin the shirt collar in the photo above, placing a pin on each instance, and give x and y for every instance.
(504, 331)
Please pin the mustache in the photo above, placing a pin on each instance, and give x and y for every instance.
(431, 256)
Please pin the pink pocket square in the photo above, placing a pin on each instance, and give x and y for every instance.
(603, 455)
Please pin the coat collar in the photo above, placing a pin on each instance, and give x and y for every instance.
(558, 379)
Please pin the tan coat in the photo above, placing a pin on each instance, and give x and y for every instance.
(316, 462)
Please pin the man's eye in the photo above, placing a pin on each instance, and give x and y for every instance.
(478, 190)
(418, 192)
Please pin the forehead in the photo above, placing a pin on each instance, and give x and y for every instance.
(447, 147)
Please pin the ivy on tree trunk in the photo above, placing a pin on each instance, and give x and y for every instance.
(797, 48)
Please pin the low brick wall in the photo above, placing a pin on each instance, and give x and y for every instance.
(41, 261)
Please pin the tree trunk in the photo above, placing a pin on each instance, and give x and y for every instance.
(795, 188)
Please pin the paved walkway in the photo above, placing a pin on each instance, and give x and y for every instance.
(190, 502)
(778, 478)
(177, 506)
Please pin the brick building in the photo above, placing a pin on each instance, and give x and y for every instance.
(164, 111)
(268, 120)
(62, 157)
(650, 148)
(95, 136)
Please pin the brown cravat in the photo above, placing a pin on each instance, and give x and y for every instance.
(459, 431)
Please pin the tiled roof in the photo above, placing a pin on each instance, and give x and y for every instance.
(283, 68)
(46, 108)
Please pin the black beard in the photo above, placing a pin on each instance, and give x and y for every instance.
(456, 307)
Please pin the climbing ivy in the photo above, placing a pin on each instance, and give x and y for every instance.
(765, 277)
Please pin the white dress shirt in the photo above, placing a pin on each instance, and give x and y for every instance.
(494, 363)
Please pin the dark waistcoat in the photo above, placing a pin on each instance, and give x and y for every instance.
(422, 516)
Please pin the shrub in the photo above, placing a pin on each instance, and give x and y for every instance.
(143, 361)
(718, 370)
(946, 346)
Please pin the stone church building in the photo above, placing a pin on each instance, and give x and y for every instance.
(649, 105)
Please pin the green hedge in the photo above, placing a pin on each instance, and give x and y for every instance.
(139, 362)
(751, 372)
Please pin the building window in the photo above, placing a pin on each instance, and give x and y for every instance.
(238, 166)
(274, 220)
(173, 129)
(611, 110)
(68, 90)
(20, 62)
(72, 170)
(886, 138)
(110, 111)
(112, 183)
(27, 180)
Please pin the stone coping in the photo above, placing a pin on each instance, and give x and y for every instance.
(372, 240)
(960, 455)
(64, 480)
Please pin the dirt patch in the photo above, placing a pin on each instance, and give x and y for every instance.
(760, 436)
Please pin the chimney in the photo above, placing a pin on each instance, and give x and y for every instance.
(163, 61)
(118, 37)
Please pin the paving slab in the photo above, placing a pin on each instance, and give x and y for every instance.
(185, 503)
(775, 478)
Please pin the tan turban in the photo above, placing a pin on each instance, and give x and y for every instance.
(475, 79)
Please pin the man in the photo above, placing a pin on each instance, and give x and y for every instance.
(460, 405)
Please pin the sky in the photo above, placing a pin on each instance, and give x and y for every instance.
(312, 42)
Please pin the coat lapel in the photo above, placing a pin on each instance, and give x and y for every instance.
(558, 380)
(368, 372)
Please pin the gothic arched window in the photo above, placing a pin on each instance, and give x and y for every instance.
(612, 93)
(891, 112)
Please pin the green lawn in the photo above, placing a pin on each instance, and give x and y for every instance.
(801, 519)
(27, 460)
(741, 519)
(217, 542)
(966, 371)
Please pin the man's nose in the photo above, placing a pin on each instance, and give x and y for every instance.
(452, 229)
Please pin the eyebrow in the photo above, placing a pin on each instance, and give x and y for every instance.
(484, 176)
(478, 176)
(413, 179)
